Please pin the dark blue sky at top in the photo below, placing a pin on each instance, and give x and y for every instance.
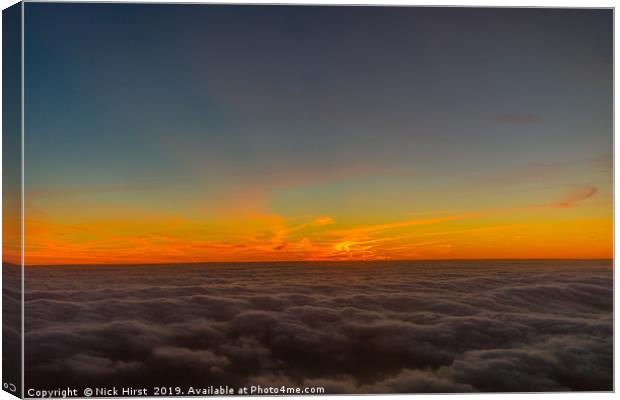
(183, 94)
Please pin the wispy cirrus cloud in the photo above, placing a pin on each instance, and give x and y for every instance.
(575, 195)
(516, 118)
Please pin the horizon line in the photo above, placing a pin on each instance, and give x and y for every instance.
(305, 261)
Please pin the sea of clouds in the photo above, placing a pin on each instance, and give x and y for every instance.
(379, 327)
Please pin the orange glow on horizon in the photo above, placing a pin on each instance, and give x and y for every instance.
(524, 233)
(344, 218)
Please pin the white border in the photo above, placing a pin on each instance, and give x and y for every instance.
(22, 199)
(479, 3)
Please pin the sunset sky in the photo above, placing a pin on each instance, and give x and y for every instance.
(189, 133)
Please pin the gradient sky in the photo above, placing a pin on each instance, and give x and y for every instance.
(177, 133)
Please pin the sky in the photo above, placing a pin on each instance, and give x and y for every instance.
(197, 133)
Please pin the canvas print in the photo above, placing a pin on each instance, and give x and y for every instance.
(276, 199)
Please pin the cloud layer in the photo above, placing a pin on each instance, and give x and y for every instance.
(378, 327)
